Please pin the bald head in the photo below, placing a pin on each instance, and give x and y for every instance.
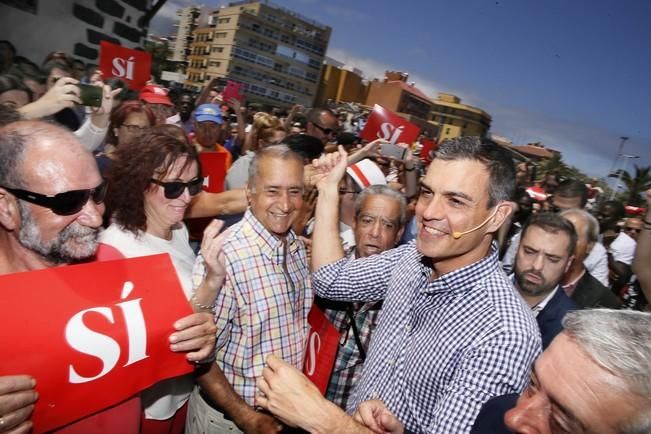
(50, 197)
(37, 149)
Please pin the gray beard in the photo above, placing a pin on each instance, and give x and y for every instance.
(59, 250)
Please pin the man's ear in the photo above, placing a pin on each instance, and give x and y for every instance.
(9, 213)
(399, 235)
(248, 192)
(569, 264)
(502, 213)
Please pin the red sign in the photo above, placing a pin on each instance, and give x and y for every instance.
(426, 150)
(213, 168)
(131, 66)
(322, 346)
(384, 124)
(232, 90)
(91, 335)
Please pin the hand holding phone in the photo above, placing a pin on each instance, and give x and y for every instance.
(393, 151)
(90, 95)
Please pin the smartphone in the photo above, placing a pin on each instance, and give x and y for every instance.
(391, 150)
(90, 95)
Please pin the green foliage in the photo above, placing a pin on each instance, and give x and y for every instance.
(159, 53)
(635, 185)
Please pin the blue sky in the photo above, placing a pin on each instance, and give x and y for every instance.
(574, 75)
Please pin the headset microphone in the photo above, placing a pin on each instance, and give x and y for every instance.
(456, 235)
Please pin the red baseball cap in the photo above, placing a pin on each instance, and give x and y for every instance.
(154, 94)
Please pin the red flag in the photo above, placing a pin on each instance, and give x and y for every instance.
(232, 90)
(322, 346)
(384, 124)
(91, 335)
(131, 66)
(213, 168)
(426, 150)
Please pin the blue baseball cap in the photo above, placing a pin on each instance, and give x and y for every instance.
(208, 112)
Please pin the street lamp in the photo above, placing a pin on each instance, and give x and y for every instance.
(621, 172)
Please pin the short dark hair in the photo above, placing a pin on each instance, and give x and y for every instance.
(498, 162)
(573, 188)
(131, 172)
(8, 114)
(617, 206)
(308, 146)
(552, 223)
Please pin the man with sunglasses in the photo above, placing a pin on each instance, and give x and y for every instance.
(322, 124)
(51, 206)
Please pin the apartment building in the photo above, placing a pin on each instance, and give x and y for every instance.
(274, 53)
(456, 119)
(180, 48)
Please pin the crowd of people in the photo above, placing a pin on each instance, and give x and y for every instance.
(463, 302)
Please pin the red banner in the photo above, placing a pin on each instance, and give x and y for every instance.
(131, 66)
(426, 150)
(91, 335)
(213, 168)
(322, 346)
(232, 90)
(384, 124)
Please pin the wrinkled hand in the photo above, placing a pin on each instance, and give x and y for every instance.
(260, 423)
(17, 398)
(376, 416)
(289, 395)
(372, 149)
(196, 334)
(330, 168)
(211, 251)
(64, 94)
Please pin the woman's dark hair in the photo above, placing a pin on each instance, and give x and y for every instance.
(130, 175)
(13, 82)
(119, 116)
(56, 63)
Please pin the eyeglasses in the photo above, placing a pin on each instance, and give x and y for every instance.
(174, 189)
(66, 203)
(134, 128)
(326, 131)
(636, 230)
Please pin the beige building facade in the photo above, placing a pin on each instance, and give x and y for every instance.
(275, 54)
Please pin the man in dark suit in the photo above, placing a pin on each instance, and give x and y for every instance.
(578, 283)
(545, 253)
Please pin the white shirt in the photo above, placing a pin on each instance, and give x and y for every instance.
(597, 263)
(164, 398)
(623, 248)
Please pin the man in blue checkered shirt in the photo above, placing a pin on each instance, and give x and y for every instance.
(453, 332)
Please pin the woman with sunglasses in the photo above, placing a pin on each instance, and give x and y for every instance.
(151, 186)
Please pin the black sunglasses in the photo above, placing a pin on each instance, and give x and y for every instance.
(66, 203)
(326, 131)
(174, 189)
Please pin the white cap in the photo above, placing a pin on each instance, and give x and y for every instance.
(366, 173)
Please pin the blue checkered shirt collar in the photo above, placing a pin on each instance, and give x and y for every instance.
(462, 279)
(270, 245)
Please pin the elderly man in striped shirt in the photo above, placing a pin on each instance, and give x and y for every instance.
(263, 305)
(453, 333)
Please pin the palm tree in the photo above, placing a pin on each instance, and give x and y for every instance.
(635, 185)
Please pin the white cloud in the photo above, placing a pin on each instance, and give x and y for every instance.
(371, 69)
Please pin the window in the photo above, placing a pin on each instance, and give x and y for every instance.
(223, 20)
(214, 64)
(217, 49)
(220, 34)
